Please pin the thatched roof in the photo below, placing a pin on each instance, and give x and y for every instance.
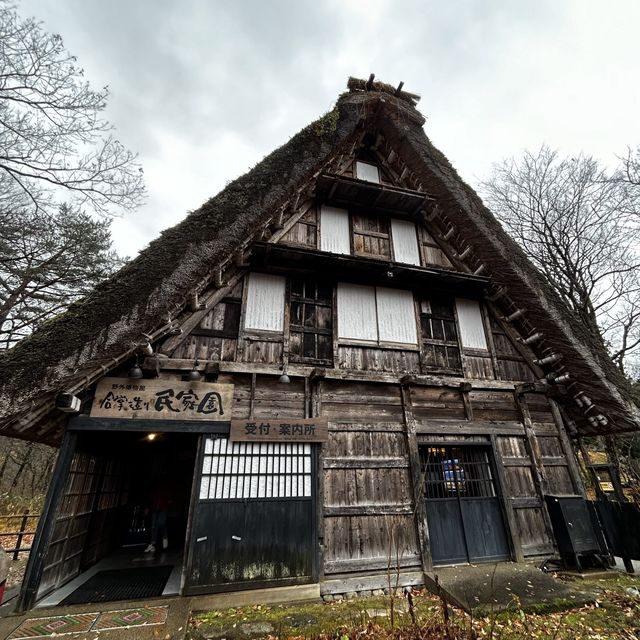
(94, 332)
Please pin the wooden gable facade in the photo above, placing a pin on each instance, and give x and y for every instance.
(358, 308)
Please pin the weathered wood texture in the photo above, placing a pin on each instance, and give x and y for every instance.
(511, 364)
(374, 359)
(305, 231)
(367, 501)
(520, 490)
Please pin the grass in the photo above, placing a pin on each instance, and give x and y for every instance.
(615, 615)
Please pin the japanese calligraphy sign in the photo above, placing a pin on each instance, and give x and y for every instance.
(162, 400)
(279, 430)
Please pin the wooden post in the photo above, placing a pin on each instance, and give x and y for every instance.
(614, 468)
(592, 472)
(316, 410)
(568, 450)
(417, 481)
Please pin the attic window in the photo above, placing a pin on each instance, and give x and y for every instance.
(368, 172)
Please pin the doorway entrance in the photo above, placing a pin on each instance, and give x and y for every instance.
(119, 485)
(464, 514)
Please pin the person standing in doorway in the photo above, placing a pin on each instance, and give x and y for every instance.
(159, 508)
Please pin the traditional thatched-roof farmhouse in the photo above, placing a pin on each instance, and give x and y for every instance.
(341, 349)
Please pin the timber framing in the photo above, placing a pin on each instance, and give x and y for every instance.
(352, 285)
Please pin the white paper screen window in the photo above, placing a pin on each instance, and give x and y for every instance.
(471, 325)
(368, 172)
(265, 302)
(357, 312)
(241, 470)
(396, 316)
(334, 230)
(405, 242)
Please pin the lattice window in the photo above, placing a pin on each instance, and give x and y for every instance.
(439, 335)
(241, 470)
(371, 236)
(457, 471)
(310, 322)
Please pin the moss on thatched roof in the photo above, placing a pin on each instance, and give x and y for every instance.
(156, 285)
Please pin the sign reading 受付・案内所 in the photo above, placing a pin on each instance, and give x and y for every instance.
(162, 400)
(279, 430)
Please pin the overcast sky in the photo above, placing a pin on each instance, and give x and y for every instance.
(203, 90)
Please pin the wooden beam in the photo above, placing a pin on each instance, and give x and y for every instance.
(366, 462)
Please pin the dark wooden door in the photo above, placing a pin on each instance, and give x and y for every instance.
(464, 515)
(253, 522)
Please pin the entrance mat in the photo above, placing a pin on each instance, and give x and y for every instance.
(54, 626)
(125, 618)
(121, 584)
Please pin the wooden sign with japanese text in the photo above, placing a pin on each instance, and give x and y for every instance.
(279, 430)
(162, 400)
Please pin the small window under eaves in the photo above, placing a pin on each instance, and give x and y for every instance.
(367, 171)
(334, 230)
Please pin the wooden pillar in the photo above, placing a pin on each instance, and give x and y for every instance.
(567, 448)
(315, 408)
(417, 481)
(591, 471)
(614, 468)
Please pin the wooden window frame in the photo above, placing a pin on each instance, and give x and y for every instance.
(293, 298)
(385, 222)
(426, 342)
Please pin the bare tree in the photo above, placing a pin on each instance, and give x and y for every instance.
(578, 223)
(53, 138)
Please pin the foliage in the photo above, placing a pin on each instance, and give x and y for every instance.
(53, 137)
(578, 223)
(46, 262)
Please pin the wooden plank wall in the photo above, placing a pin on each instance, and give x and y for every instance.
(374, 359)
(367, 501)
(495, 413)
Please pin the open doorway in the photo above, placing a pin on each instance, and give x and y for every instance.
(122, 489)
